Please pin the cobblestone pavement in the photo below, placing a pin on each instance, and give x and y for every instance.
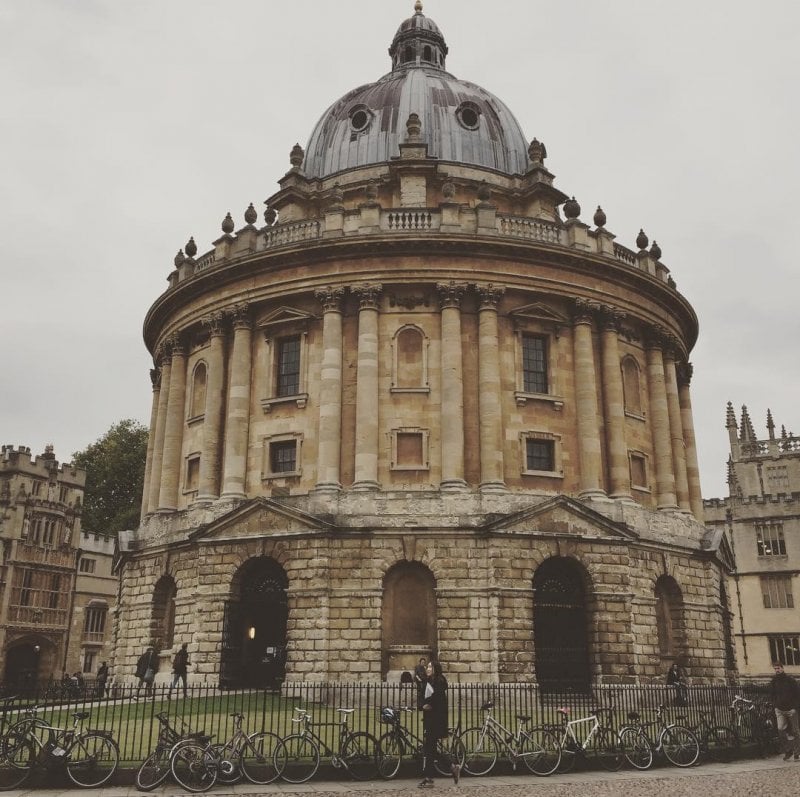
(771, 778)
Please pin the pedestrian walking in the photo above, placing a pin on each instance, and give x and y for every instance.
(434, 722)
(676, 678)
(146, 668)
(102, 678)
(180, 665)
(785, 696)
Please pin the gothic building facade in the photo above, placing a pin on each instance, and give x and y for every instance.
(761, 521)
(424, 409)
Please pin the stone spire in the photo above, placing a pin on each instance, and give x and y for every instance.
(770, 424)
(748, 434)
(730, 418)
(733, 430)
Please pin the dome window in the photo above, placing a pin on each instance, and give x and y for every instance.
(468, 115)
(360, 118)
(426, 54)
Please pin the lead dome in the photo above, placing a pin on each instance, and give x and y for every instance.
(461, 122)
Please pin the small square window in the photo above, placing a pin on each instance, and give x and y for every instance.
(283, 456)
(539, 454)
(86, 565)
(409, 449)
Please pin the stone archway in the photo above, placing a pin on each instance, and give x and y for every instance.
(254, 626)
(561, 626)
(408, 618)
(27, 662)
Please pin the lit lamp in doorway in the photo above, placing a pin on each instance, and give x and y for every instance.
(251, 632)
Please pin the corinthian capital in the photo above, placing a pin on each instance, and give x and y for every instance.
(584, 311)
(490, 295)
(330, 298)
(176, 344)
(369, 295)
(611, 317)
(214, 324)
(451, 293)
(155, 378)
(241, 316)
(684, 370)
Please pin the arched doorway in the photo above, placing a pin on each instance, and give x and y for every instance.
(254, 626)
(408, 618)
(560, 626)
(24, 666)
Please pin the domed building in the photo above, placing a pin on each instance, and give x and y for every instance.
(424, 410)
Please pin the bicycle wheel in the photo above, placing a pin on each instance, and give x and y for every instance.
(92, 759)
(449, 751)
(636, 748)
(540, 751)
(721, 743)
(360, 755)
(569, 755)
(297, 758)
(17, 762)
(390, 754)
(193, 766)
(480, 751)
(153, 770)
(228, 769)
(680, 746)
(607, 750)
(258, 758)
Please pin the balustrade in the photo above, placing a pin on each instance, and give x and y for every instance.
(37, 615)
(529, 229)
(25, 553)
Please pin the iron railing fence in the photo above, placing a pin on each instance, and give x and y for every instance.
(132, 715)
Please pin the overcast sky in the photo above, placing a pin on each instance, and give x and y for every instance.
(126, 127)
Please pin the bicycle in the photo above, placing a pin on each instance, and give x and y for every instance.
(538, 747)
(678, 744)
(154, 769)
(600, 744)
(297, 756)
(90, 757)
(717, 742)
(250, 756)
(399, 742)
(756, 723)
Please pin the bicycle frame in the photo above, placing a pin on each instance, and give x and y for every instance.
(569, 730)
(309, 733)
(504, 738)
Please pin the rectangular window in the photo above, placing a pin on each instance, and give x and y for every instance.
(25, 593)
(769, 539)
(539, 454)
(638, 471)
(534, 364)
(89, 657)
(785, 649)
(410, 450)
(283, 456)
(86, 565)
(288, 367)
(192, 473)
(777, 477)
(777, 592)
(95, 621)
(55, 591)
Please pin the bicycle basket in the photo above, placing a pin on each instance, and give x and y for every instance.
(388, 715)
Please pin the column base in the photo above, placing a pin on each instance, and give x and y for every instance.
(493, 487)
(625, 498)
(594, 493)
(204, 500)
(231, 496)
(365, 486)
(453, 486)
(326, 488)
(674, 508)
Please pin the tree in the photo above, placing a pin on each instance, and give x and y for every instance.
(114, 467)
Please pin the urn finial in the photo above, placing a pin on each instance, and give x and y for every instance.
(227, 224)
(600, 217)
(642, 240)
(191, 247)
(250, 215)
(572, 209)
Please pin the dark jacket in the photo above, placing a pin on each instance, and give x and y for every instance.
(102, 673)
(180, 662)
(434, 721)
(147, 661)
(784, 691)
(674, 676)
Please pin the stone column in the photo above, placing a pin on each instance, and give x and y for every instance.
(489, 391)
(173, 430)
(684, 374)
(614, 405)
(237, 416)
(659, 423)
(208, 484)
(452, 408)
(330, 392)
(586, 401)
(155, 378)
(366, 442)
(161, 421)
(676, 432)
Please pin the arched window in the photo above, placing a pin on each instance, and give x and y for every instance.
(408, 54)
(162, 623)
(410, 359)
(669, 617)
(560, 626)
(426, 54)
(199, 379)
(408, 618)
(631, 385)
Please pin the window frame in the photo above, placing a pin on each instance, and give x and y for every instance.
(426, 455)
(780, 645)
(193, 416)
(267, 474)
(191, 459)
(776, 539)
(541, 436)
(537, 321)
(283, 323)
(631, 411)
(424, 385)
(636, 454)
(776, 591)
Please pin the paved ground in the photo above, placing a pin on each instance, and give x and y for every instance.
(757, 778)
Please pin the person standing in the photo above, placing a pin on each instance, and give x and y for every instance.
(785, 696)
(180, 664)
(434, 722)
(102, 678)
(420, 679)
(146, 668)
(676, 678)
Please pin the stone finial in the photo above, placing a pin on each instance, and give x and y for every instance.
(250, 215)
(599, 217)
(537, 151)
(418, 7)
(413, 127)
(227, 224)
(730, 417)
(270, 216)
(747, 433)
(770, 424)
(371, 191)
(642, 240)
(484, 192)
(572, 209)
(191, 247)
(296, 156)
(179, 258)
(655, 251)
(335, 197)
(448, 189)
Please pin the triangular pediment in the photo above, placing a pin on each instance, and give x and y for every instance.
(716, 541)
(538, 312)
(261, 517)
(284, 315)
(563, 517)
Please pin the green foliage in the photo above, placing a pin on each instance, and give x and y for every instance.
(114, 467)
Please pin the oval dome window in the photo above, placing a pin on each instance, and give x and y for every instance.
(360, 118)
(468, 115)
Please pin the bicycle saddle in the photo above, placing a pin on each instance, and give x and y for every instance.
(81, 715)
(345, 710)
(487, 705)
(522, 718)
(633, 715)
